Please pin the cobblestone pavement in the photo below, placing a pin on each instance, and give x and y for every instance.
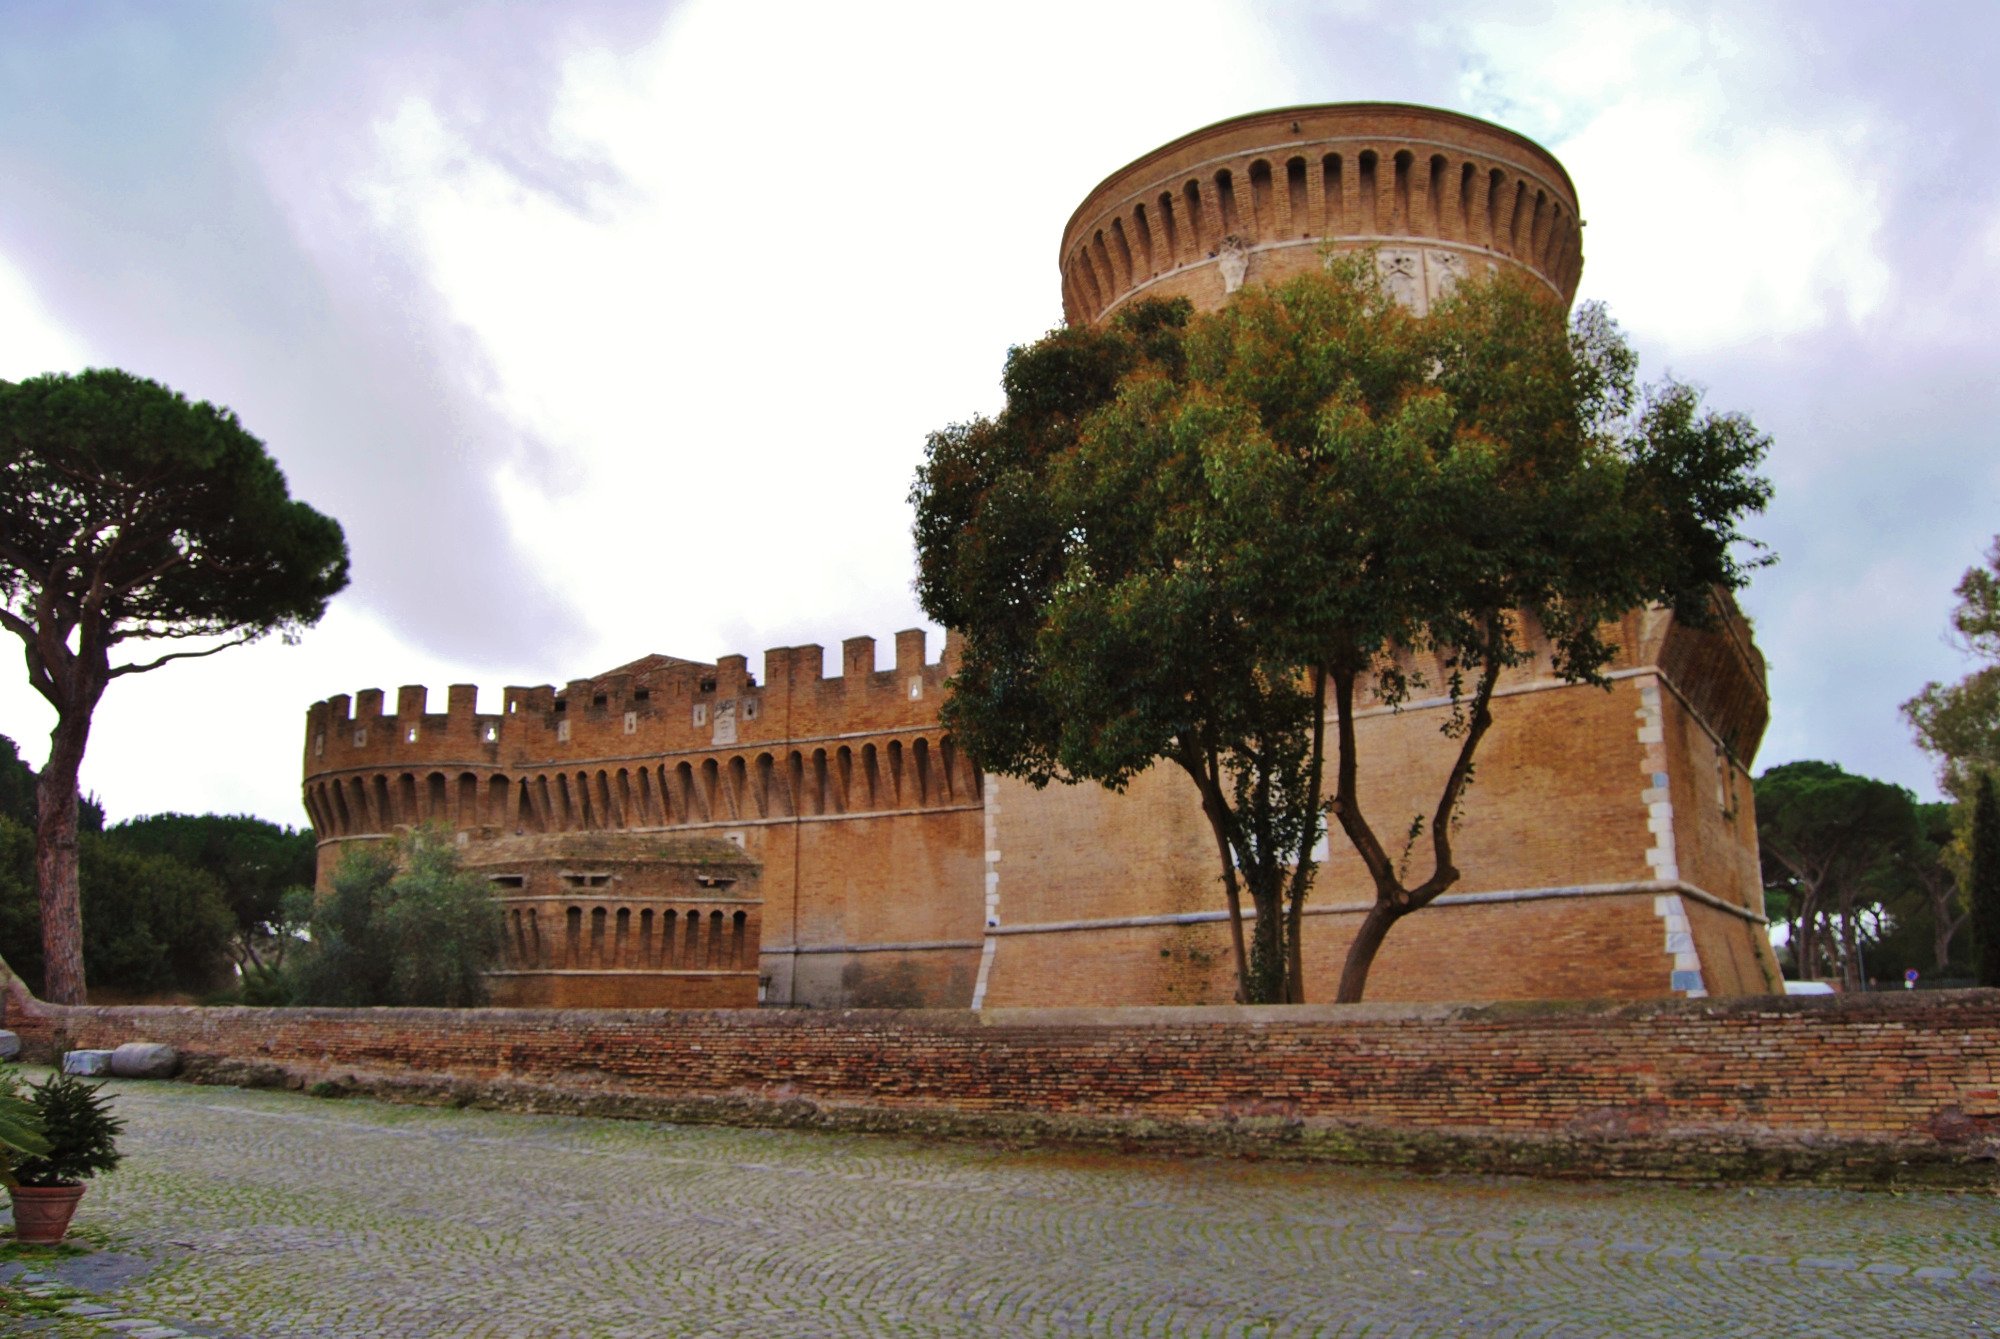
(269, 1214)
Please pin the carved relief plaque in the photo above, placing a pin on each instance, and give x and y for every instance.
(1442, 271)
(1234, 262)
(1402, 274)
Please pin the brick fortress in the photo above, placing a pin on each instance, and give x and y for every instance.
(679, 833)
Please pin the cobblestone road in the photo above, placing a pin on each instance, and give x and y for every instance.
(274, 1214)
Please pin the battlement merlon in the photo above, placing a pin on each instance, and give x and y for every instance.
(796, 666)
(349, 727)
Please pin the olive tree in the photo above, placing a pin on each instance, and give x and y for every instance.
(1196, 538)
(129, 515)
(403, 924)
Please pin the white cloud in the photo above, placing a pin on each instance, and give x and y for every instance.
(32, 340)
(1717, 218)
(819, 229)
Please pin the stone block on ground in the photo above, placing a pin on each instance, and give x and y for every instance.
(145, 1060)
(90, 1064)
(10, 1044)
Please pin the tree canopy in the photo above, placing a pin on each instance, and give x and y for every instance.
(255, 862)
(1187, 536)
(1833, 846)
(152, 925)
(130, 515)
(1959, 723)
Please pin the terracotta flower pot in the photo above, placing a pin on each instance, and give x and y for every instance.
(42, 1213)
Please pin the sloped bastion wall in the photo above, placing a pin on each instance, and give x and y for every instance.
(1865, 1089)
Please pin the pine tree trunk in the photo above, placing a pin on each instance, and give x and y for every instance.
(1850, 949)
(56, 865)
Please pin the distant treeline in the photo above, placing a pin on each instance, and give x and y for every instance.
(173, 904)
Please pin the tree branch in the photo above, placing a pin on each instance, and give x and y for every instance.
(1206, 771)
(1443, 873)
(1346, 793)
(117, 670)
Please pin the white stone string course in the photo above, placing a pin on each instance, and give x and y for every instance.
(1687, 977)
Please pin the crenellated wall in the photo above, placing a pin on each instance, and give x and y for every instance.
(859, 812)
(1254, 198)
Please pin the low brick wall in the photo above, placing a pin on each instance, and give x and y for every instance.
(1887, 1088)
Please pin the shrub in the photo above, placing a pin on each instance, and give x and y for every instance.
(401, 927)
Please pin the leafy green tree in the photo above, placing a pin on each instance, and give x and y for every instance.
(1939, 905)
(255, 862)
(128, 514)
(1830, 842)
(1985, 880)
(401, 927)
(1959, 723)
(344, 961)
(152, 925)
(1193, 538)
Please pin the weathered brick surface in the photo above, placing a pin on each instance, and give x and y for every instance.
(1559, 803)
(1277, 186)
(1767, 1085)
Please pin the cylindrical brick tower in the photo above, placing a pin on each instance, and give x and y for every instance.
(1610, 849)
(1254, 198)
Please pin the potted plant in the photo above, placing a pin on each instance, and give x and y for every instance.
(82, 1138)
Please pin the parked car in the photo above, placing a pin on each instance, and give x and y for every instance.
(1808, 988)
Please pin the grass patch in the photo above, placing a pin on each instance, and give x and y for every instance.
(28, 1252)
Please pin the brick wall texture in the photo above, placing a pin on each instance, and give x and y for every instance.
(1852, 1088)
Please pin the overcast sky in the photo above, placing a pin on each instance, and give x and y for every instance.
(609, 328)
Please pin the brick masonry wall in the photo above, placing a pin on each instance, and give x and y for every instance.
(1896, 1087)
(1561, 801)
